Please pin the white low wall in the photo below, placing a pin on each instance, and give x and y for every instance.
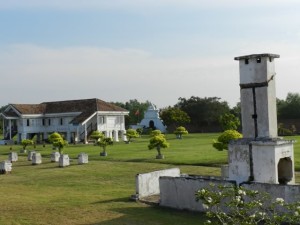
(290, 193)
(179, 192)
(147, 184)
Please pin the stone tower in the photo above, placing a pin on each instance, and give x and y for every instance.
(260, 156)
(258, 95)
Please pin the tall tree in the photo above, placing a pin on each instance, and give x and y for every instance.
(290, 107)
(136, 110)
(203, 111)
(229, 121)
(174, 116)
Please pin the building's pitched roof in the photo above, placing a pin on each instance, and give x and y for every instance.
(30, 108)
(84, 106)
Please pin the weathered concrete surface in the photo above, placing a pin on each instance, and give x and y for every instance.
(179, 192)
(273, 161)
(36, 158)
(257, 81)
(29, 156)
(290, 193)
(5, 167)
(13, 157)
(64, 160)
(148, 183)
(83, 158)
(55, 156)
(239, 161)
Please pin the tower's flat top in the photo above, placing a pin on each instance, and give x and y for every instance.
(257, 55)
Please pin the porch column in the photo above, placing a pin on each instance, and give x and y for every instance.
(123, 135)
(106, 133)
(77, 135)
(9, 129)
(69, 137)
(98, 122)
(45, 136)
(38, 139)
(85, 134)
(23, 136)
(3, 128)
(116, 136)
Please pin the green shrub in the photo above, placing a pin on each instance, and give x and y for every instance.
(284, 132)
(131, 133)
(57, 141)
(158, 141)
(180, 131)
(155, 133)
(224, 138)
(26, 142)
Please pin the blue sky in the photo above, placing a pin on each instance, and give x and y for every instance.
(159, 51)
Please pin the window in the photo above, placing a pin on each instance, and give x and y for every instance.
(28, 122)
(246, 61)
(49, 122)
(43, 121)
(258, 60)
(102, 121)
(61, 121)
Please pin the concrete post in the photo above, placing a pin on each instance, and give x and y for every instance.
(258, 95)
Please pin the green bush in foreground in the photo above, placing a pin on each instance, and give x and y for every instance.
(224, 138)
(236, 205)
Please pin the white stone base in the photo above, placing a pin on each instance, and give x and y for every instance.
(5, 167)
(64, 160)
(273, 162)
(30, 154)
(262, 160)
(13, 157)
(55, 156)
(36, 158)
(83, 158)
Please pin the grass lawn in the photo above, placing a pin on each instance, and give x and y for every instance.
(98, 192)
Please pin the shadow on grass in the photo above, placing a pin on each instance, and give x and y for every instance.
(125, 199)
(153, 215)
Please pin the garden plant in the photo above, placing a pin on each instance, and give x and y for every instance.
(158, 141)
(180, 131)
(224, 139)
(232, 205)
(26, 142)
(130, 134)
(57, 141)
(103, 143)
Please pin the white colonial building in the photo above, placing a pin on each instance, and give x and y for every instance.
(75, 119)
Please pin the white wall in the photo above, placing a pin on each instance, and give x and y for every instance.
(147, 184)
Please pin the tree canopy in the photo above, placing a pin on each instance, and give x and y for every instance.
(174, 116)
(136, 110)
(229, 121)
(290, 107)
(203, 111)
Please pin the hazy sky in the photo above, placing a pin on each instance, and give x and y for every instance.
(156, 50)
